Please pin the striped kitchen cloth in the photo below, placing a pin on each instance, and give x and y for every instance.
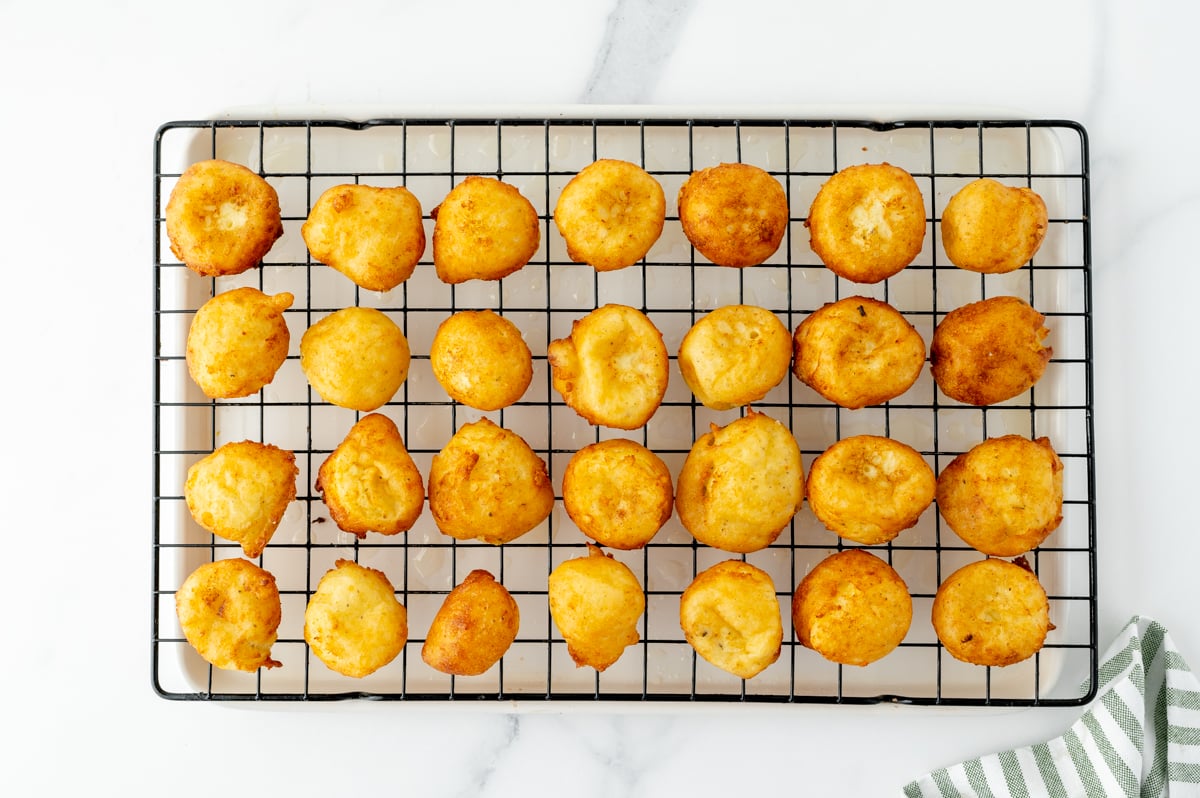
(1140, 737)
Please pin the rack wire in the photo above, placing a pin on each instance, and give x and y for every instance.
(674, 286)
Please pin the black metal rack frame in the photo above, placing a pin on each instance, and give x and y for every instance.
(941, 154)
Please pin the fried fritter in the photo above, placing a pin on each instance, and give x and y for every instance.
(372, 235)
(612, 369)
(229, 611)
(618, 493)
(857, 352)
(596, 603)
(734, 214)
(481, 360)
(487, 484)
(484, 230)
(353, 622)
(237, 341)
(730, 615)
(355, 358)
(869, 489)
(475, 625)
(222, 218)
(240, 492)
(1005, 496)
(370, 482)
(989, 351)
(741, 484)
(852, 608)
(992, 612)
(734, 356)
(992, 228)
(867, 222)
(610, 214)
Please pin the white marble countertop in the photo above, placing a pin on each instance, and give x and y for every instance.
(85, 87)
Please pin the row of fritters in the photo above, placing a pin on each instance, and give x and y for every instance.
(853, 608)
(613, 367)
(866, 223)
(738, 488)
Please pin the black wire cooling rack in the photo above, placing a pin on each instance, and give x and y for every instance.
(675, 287)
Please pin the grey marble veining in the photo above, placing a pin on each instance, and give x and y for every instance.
(639, 37)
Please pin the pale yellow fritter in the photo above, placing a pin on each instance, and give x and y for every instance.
(610, 214)
(475, 625)
(229, 611)
(370, 482)
(596, 603)
(353, 622)
(612, 369)
(734, 214)
(992, 612)
(355, 358)
(734, 356)
(222, 218)
(852, 608)
(481, 360)
(992, 228)
(484, 230)
(240, 491)
(741, 484)
(618, 493)
(1005, 496)
(487, 484)
(730, 615)
(372, 235)
(237, 341)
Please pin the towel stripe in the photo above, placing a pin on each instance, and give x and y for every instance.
(1049, 770)
(1119, 771)
(976, 778)
(1189, 773)
(1123, 716)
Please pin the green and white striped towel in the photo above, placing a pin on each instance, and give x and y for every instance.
(1140, 737)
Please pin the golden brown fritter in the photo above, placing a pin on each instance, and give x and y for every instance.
(852, 608)
(484, 230)
(992, 612)
(989, 351)
(857, 352)
(734, 214)
(730, 615)
(867, 222)
(1005, 496)
(992, 228)
(240, 492)
(487, 484)
(618, 493)
(370, 482)
(372, 235)
(596, 603)
(610, 214)
(355, 358)
(734, 356)
(481, 360)
(229, 611)
(475, 625)
(741, 484)
(353, 622)
(237, 341)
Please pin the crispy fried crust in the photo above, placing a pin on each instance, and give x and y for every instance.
(734, 214)
(596, 603)
(852, 608)
(741, 484)
(372, 235)
(730, 615)
(229, 611)
(353, 622)
(240, 492)
(355, 358)
(487, 484)
(481, 360)
(869, 489)
(237, 341)
(734, 356)
(222, 218)
(857, 352)
(992, 228)
(618, 493)
(612, 369)
(867, 222)
(370, 482)
(992, 612)
(484, 230)
(989, 351)
(476, 624)
(1005, 496)
(610, 214)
